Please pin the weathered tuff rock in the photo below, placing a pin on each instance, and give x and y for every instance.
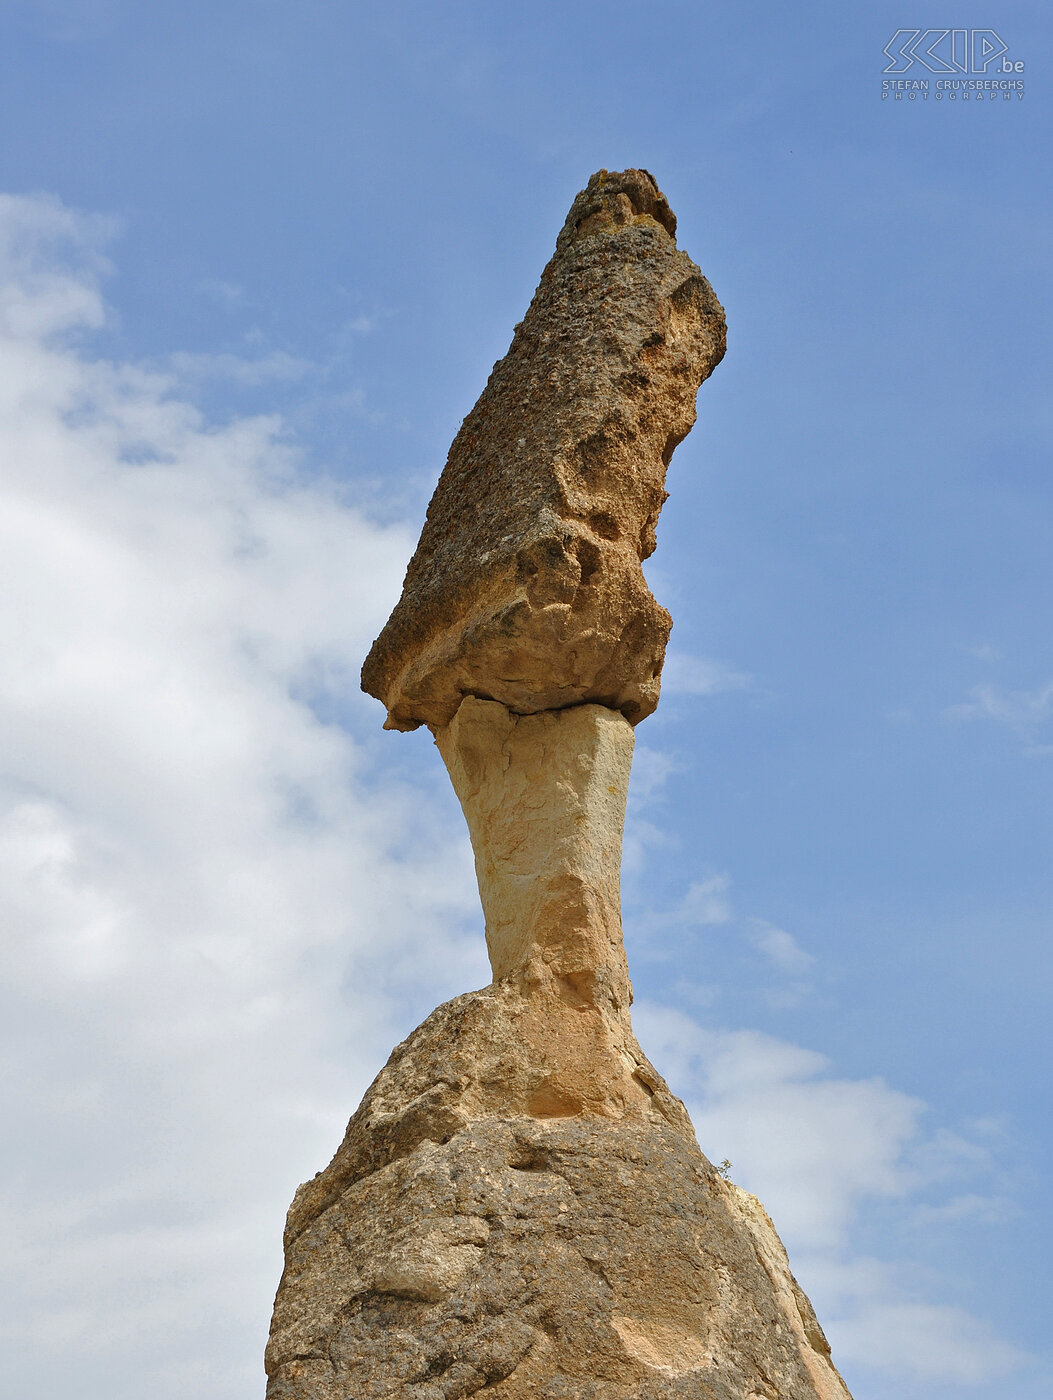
(468, 1236)
(526, 586)
(544, 797)
(519, 1205)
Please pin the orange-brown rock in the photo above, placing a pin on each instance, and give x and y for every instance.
(519, 1205)
(544, 797)
(526, 586)
(474, 1235)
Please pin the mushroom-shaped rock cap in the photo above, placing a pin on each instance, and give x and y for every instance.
(526, 585)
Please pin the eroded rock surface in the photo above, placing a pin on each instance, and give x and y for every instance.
(544, 797)
(467, 1237)
(519, 1205)
(526, 586)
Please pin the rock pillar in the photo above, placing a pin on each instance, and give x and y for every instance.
(544, 797)
(519, 1204)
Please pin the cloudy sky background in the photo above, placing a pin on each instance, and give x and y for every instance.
(256, 261)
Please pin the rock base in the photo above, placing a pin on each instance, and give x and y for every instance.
(450, 1249)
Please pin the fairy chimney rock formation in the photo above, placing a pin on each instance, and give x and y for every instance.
(519, 1205)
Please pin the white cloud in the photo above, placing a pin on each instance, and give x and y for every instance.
(780, 947)
(700, 675)
(196, 865)
(213, 902)
(816, 1148)
(651, 770)
(988, 1210)
(223, 293)
(984, 652)
(784, 967)
(50, 262)
(1022, 711)
(810, 1146)
(705, 902)
(926, 1342)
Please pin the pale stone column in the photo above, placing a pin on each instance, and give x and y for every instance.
(544, 797)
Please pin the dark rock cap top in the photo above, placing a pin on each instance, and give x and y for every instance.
(526, 585)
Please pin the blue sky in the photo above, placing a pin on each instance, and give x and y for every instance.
(257, 261)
